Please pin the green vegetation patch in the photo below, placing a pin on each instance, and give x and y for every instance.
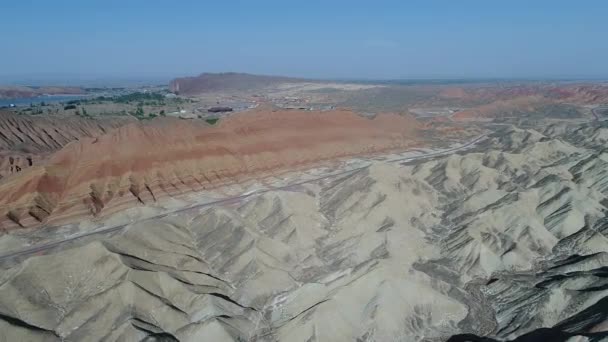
(212, 121)
(139, 97)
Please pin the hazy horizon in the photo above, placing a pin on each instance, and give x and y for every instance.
(70, 42)
(118, 81)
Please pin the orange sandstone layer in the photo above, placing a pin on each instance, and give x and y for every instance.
(144, 162)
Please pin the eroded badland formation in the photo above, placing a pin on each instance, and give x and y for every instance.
(145, 162)
(395, 213)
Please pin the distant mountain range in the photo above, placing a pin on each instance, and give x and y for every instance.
(9, 92)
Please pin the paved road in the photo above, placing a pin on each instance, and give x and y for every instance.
(444, 152)
(46, 246)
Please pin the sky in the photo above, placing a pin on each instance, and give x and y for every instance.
(46, 41)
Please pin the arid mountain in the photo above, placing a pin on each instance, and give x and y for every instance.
(8, 92)
(143, 162)
(230, 81)
(28, 140)
(507, 241)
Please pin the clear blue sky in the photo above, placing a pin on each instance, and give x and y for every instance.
(329, 39)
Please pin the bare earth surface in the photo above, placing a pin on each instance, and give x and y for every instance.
(414, 252)
(28, 140)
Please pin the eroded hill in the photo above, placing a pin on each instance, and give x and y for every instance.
(27, 140)
(145, 162)
(500, 241)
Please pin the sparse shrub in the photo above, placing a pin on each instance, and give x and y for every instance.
(212, 121)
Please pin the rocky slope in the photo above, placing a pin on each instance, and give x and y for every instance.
(27, 140)
(145, 162)
(500, 242)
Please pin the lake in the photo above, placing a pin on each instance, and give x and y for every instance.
(26, 101)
